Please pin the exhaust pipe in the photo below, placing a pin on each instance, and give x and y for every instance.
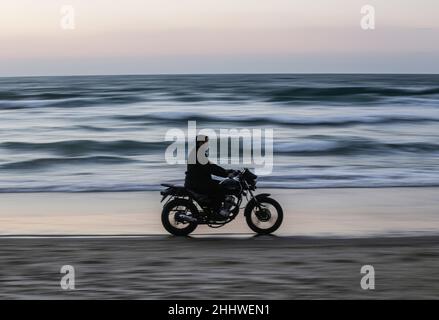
(181, 217)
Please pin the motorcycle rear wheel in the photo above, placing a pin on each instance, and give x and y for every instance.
(171, 224)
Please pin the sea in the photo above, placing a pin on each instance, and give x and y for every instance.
(107, 133)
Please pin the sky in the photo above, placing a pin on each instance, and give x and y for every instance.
(217, 36)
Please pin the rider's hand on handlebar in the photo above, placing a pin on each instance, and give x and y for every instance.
(232, 173)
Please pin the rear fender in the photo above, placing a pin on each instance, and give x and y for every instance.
(165, 193)
(174, 192)
(164, 197)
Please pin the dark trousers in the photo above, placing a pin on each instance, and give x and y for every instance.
(216, 194)
(213, 191)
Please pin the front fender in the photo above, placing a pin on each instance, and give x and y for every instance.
(252, 202)
(262, 195)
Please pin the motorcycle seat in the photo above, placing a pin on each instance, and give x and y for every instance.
(183, 190)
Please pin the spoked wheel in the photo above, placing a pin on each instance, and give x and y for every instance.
(264, 219)
(171, 217)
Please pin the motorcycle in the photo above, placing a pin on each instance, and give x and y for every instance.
(185, 209)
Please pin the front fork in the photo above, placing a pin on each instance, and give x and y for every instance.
(252, 196)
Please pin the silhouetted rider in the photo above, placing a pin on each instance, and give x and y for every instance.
(199, 175)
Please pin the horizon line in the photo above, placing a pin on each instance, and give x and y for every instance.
(212, 74)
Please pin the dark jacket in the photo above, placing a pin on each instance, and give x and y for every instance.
(199, 176)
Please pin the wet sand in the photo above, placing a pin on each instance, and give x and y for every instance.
(312, 212)
(214, 267)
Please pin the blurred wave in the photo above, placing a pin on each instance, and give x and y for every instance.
(106, 133)
(83, 147)
(273, 120)
(52, 162)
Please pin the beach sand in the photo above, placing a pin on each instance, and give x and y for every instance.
(267, 267)
(308, 212)
(327, 236)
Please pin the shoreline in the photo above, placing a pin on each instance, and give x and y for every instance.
(158, 189)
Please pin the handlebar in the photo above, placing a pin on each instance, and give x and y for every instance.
(234, 173)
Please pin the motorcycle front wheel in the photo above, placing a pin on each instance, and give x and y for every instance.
(170, 219)
(266, 218)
